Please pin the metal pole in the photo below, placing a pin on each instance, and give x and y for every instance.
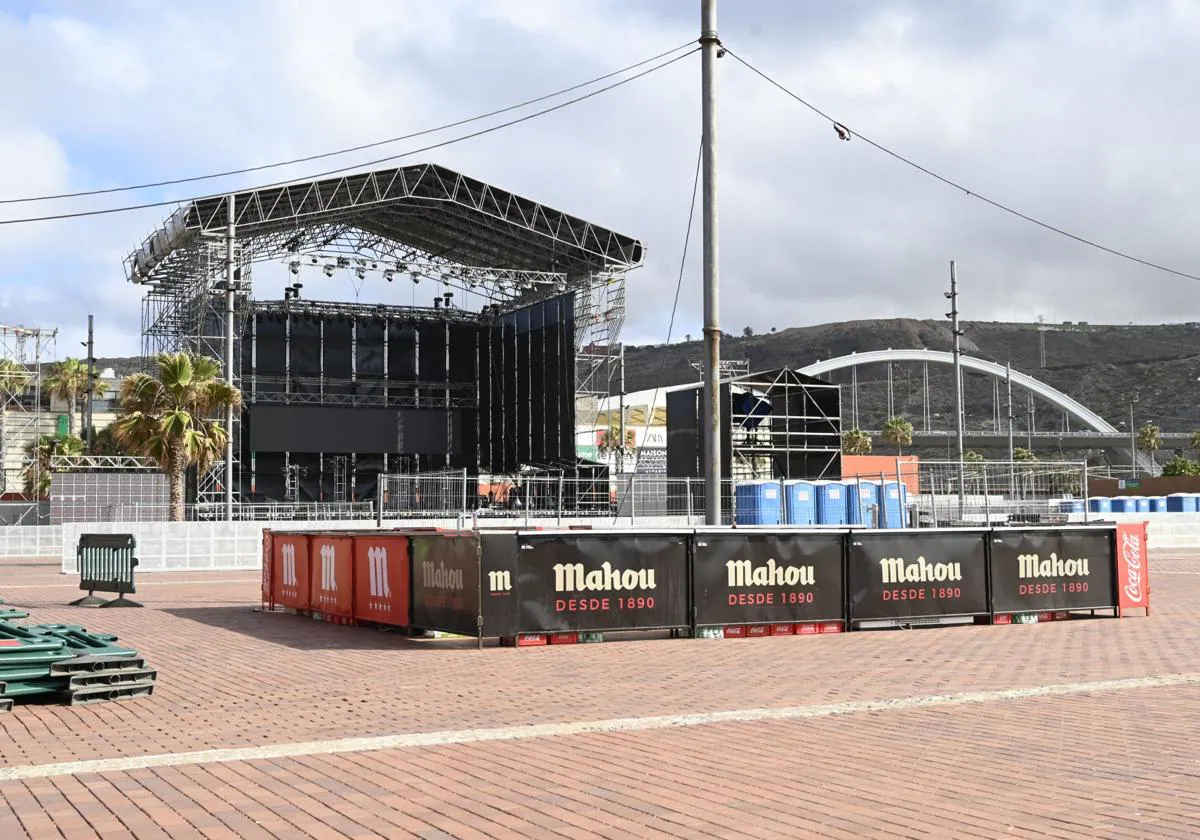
(709, 49)
(1012, 472)
(958, 384)
(1133, 464)
(621, 423)
(91, 384)
(230, 268)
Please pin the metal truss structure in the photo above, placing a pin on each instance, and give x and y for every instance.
(760, 441)
(23, 416)
(423, 221)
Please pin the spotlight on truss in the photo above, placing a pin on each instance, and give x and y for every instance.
(329, 269)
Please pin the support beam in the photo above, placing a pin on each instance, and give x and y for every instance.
(709, 49)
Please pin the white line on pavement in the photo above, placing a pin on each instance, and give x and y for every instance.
(551, 730)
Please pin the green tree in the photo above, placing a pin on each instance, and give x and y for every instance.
(1149, 439)
(899, 433)
(40, 466)
(14, 380)
(68, 381)
(1020, 453)
(175, 417)
(856, 442)
(1195, 441)
(973, 457)
(1179, 465)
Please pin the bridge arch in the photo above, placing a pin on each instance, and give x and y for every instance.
(1051, 395)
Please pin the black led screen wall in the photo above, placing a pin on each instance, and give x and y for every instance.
(337, 393)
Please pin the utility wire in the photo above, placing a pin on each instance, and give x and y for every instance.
(339, 152)
(389, 158)
(845, 133)
(662, 367)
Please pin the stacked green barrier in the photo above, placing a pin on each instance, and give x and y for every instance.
(66, 663)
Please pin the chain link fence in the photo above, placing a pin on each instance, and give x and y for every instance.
(973, 492)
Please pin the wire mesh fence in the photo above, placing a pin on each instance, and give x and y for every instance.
(950, 492)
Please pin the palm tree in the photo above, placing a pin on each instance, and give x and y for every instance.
(899, 433)
(1149, 438)
(1020, 453)
(14, 379)
(41, 454)
(68, 380)
(856, 442)
(1195, 441)
(169, 417)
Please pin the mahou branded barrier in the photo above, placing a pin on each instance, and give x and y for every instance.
(445, 582)
(331, 569)
(381, 578)
(1037, 570)
(918, 574)
(752, 578)
(591, 581)
(290, 572)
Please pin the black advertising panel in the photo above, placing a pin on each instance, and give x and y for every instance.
(927, 574)
(757, 578)
(1046, 569)
(501, 608)
(445, 583)
(602, 581)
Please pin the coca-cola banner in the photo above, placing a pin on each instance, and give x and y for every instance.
(501, 605)
(1133, 570)
(1046, 569)
(765, 578)
(445, 582)
(602, 581)
(916, 574)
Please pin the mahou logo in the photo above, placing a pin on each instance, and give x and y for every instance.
(499, 581)
(287, 553)
(743, 574)
(437, 576)
(573, 577)
(898, 570)
(1033, 566)
(1131, 553)
(378, 571)
(328, 569)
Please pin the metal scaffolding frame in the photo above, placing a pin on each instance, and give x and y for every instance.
(424, 221)
(24, 414)
(757, 441)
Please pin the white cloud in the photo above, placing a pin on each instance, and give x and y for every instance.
(1075, 112)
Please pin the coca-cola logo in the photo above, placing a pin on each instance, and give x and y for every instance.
(1131, 553)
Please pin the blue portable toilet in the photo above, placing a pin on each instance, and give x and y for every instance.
(1100, 504)
(1180, 503)
(759, 503)
(892, 505)
(1141, 504)
(831, 502)
(801, 499)
(862, 503)
(1123, 504)
(1195, 503)
(1158, 504)
(1069, 506)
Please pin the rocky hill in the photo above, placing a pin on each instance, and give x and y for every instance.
(1099, 365)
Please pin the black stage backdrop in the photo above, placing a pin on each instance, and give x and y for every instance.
(897, 575)
(369, 361)
(763, 578)
(1036, 570)
(617, 581)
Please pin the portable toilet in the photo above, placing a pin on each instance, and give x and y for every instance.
(1069, 506)
(1181, 503)
(892, 505)
(831, 502)
(758, 503)
(1100, 504)
(1158, 504)
(1141, 504)
(1123, 504)
(1195, 503)
(801, 499)
(862, 501)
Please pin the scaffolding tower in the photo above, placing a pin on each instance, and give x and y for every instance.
(24, 414)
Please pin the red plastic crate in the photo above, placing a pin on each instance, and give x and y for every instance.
(782, 629)
(832, 627)
(807, 629)
(734, 631)
(758, 630)
(1004, 618)
(524, 640)
(563, 638)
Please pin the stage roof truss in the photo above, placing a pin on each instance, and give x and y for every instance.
(423, 208)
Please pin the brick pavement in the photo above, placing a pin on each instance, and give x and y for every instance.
(1115, 763)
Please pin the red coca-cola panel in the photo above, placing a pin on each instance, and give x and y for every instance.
(381, 579)
(331, 573)
(1133, 569)
(290, 570)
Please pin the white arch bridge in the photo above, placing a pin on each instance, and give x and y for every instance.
(1102, 432)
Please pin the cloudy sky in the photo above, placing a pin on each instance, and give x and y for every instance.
(1079, 113)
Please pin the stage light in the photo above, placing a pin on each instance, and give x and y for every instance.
(329, 270)
(360, 272)
(401, 266)
(388, 275)
(313, 260)
(416, 278)
(295, 267)
(342, 262)
(374, 266)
